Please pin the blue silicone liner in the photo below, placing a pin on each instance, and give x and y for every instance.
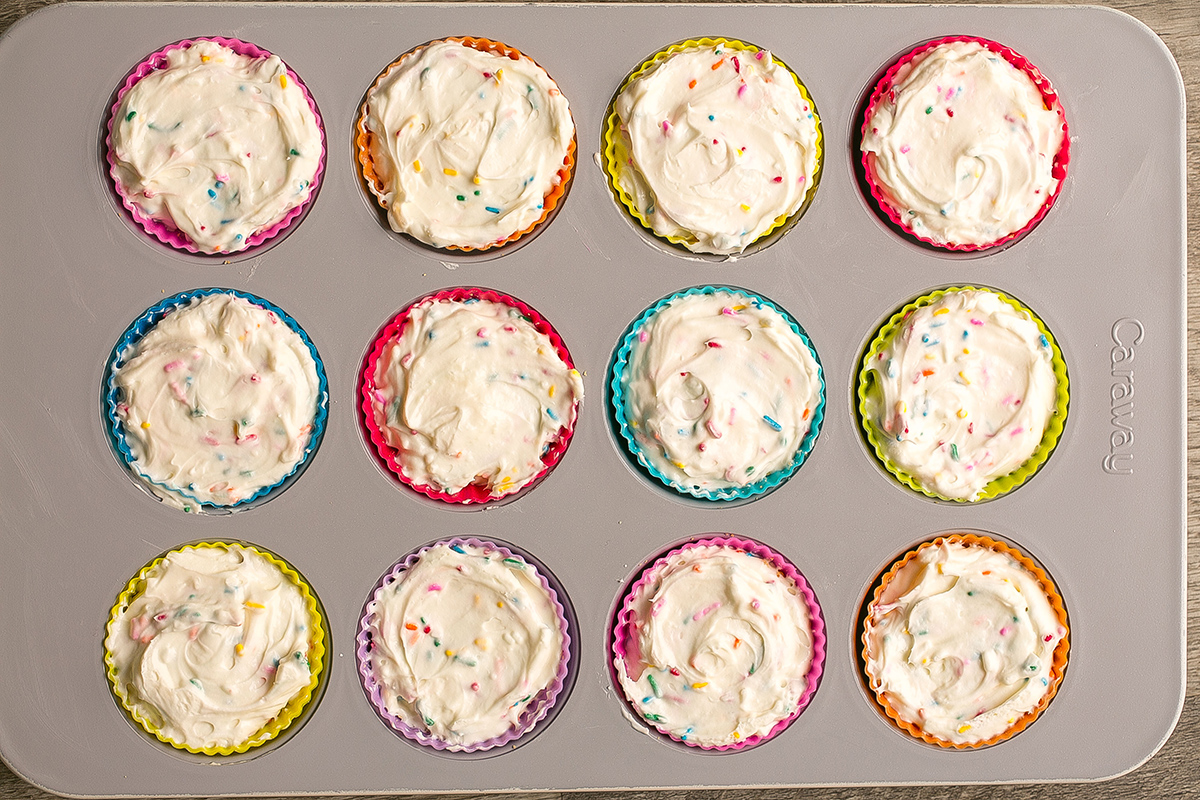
(617, 396)
(140, 327)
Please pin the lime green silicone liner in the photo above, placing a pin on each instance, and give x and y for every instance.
(616, 146)
(1005, 483)
(287, 714)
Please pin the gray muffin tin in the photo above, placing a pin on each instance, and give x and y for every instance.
(1105, 271)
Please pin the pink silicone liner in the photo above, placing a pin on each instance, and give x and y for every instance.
(625, 647)
(1058, 168)
(370, 396)
(533, 713)
(161, 230)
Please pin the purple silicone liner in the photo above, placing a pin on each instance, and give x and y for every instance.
(624, 642)
(537, 709)
(157, 228)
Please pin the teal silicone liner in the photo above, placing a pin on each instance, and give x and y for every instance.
(616, 386)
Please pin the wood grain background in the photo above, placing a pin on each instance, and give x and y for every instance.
(1175, 771)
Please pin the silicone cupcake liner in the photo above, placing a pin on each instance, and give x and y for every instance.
(290, 712)
(634, 448)
(1005, 483)
(124, 349)
(369, 395)
(378, 188)
(615, 146)
(1050, 98)
(623, 639)
(1058, 663)
(535, 712)
(164, 231)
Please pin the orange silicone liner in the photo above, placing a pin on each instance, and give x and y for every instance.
(1058, 664)
(365, 137)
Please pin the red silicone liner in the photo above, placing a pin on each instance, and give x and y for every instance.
(534, 713)
(165, 233)
(1058, 168)
(369, 394)
(624, 641)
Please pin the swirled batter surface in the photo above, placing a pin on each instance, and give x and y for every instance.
(963, 145)
(719, 390)
(214, 647)
(721, 144)
(722, 645)
(465, 643)
(961, 641)
(218, 145)
(217, 401)
(467, 142)
(963, 392)
(472, 392)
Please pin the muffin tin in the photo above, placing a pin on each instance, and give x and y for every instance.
(1105, 516)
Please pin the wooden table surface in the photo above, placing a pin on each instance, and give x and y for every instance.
(1175, 771)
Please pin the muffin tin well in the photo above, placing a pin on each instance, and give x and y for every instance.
(126, 350)
(1105, 515)
(205, 657)
(206, 122)
(547, 702)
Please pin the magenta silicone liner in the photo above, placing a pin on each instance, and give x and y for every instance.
(1049, 96)
(161, 230)
(370, 395)
(624, 640)
(535, 712)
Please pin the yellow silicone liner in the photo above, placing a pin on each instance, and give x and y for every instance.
(294, 707)
(1058, 663)
(378, 187)
(616, 148)
(1005, 483)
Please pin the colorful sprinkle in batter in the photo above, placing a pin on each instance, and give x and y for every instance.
(963, 145)
(217, 401)
(217, 145)
(959, 640)
(720, 391)
(720, 649)
(719, 148)
(214, 647)
(477, 658)
(962, 393)
(492, 133)
(472, 393)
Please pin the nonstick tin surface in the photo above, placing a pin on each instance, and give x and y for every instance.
(1105, 516)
